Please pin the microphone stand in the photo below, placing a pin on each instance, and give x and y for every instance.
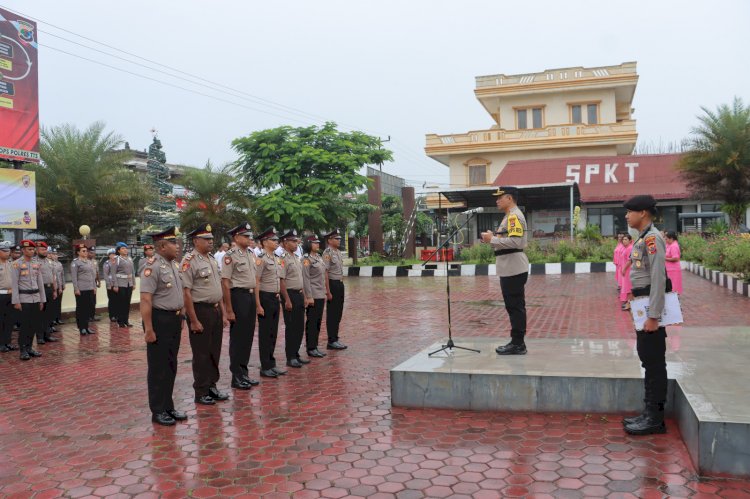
(450, 345)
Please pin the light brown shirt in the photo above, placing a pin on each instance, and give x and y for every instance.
(121, 272)
(314, 275)
(239, 267)
(48, 270)
(83, 275)
(200, 274)
(163, 280)
(269, 269)
(6, 280)
(292, 271)
(27, 276)
(514, 223)
(334, 264)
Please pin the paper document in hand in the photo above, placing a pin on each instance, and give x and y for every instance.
(671, 315)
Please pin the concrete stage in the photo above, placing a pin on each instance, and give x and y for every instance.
(709, 387)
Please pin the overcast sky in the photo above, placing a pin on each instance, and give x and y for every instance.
(400, 68)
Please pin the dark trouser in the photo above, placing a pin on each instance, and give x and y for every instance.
(268, 329)
(206, 348)
(111, 304)
(92, 304)
(652, 349)
(84, 311)
(335, 310)
(7, 318)
(515, 303)
(30, 323)
(124, 296)
(57, 311)
(46, 322)
(241, 332)
(312, 325)
(162, 359)
(294, 324)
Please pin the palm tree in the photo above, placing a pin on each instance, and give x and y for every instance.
(717, 164)
(82, 180)
(214, 198)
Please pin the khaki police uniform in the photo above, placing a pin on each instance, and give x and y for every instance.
(512, 266)
(162, 279)
(314, 275)
(28, 291)
(268, 268)
(49, 277)
(121, 275)
(294, 319)
(83, 277)
(111, 297)
(60, 276)
(7, 316)
(239, 268)
(200, 274)
(334, 264)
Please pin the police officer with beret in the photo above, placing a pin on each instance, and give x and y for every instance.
(162, 302)
(334, 264)
(83, 277)
(268, 286)
(314, 279)
(49, 277)
(60, 275)
(238, 284)
(293, 293)
(204, 306)
(512, 265)
(7, 315)
(122, 275)
(648, 276)
(28, 297)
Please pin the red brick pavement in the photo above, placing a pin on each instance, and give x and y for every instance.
(76, 422)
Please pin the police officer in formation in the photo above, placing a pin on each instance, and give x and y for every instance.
(83, 278)
(334, 264)
(97, 281)
(238, 285)
(148, 252)
(122, 277)
(293, 294)
(109, 263)
(60, 275)
(648, 276)
(49, 277)
(512, 265)
(204, 306)
(162, 302)
(314, 280)
(28, 297)
(268, 274)
(7, 315)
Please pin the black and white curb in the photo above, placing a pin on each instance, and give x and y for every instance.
(728, 281)
(469, 270)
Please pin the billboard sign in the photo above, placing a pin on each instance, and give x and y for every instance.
(17, 199)
(19, 88)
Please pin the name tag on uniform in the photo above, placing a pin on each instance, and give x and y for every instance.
(671, 315)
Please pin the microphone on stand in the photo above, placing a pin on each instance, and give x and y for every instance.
(471, 212)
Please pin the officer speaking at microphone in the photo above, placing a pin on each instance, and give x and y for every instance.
(512, 265)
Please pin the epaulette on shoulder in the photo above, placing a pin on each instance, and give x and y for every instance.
(230, 251)
(188, 257)
(150, 260)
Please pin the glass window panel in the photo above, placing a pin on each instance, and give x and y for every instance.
(522, 119)
(478, 174)
(577, 114)
(536, 115)
(593, 117)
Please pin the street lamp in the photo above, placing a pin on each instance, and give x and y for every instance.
(352, 247)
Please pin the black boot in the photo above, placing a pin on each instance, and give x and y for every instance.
(24, 354)
(651, 423)
(647, 389)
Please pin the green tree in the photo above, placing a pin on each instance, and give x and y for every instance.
(214, 198)
(301, 175)
(717, 164)
(82, 180)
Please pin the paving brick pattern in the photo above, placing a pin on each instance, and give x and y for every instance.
(75, 423)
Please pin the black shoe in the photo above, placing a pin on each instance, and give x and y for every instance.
(11, 347)
(511, 349)
(215, 394)
(177, 415)
(633, 419)
(279, 371)
(96, 318)
(57, 322)
(250, 381)
(33, 352)
(128, 324)
(83, 332)
(163, 419)
(52, 329)
(90, 331)
(4, 348)
(651, 423)
(293, 363)
(24, 354)
(205, 400)
(50, 339)
(316, 353)
(302, 361)
(241, 384)
(113, 319)
(120, 324)
(269, 373)
(336, 345)
(40, 341)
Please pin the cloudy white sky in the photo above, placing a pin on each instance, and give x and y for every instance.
(400, 68)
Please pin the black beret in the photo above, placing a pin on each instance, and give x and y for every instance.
(640, 203)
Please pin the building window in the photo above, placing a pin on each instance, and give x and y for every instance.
(477, 174)
(522, 118)
(584, 113)
(593, 114)
(576, 112)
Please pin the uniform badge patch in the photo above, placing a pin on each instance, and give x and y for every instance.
(651, 244)
(258, 261)
(327, 257)
(307, 262)
(227, 260)
(185, 265)
(515, 229)
(146, 272)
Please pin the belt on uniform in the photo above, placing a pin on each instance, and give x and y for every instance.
(641, 291)
(295, 290)
(241, 290)
(170, 312)
(206, 305)
(507, 251)
(5, 292)
(48, 285)
(28, 291)
(270, 292)
(122, 276)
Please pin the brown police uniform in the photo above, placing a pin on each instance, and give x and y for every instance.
(334, 264)
(28, 291)
(294, 319)
(268, 268)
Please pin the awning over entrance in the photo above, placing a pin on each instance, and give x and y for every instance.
(532, 197)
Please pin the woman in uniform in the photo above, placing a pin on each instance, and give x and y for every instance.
(83, 276)
(314, 275)
(107, 267)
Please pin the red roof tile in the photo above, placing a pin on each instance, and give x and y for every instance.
(603, 178)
